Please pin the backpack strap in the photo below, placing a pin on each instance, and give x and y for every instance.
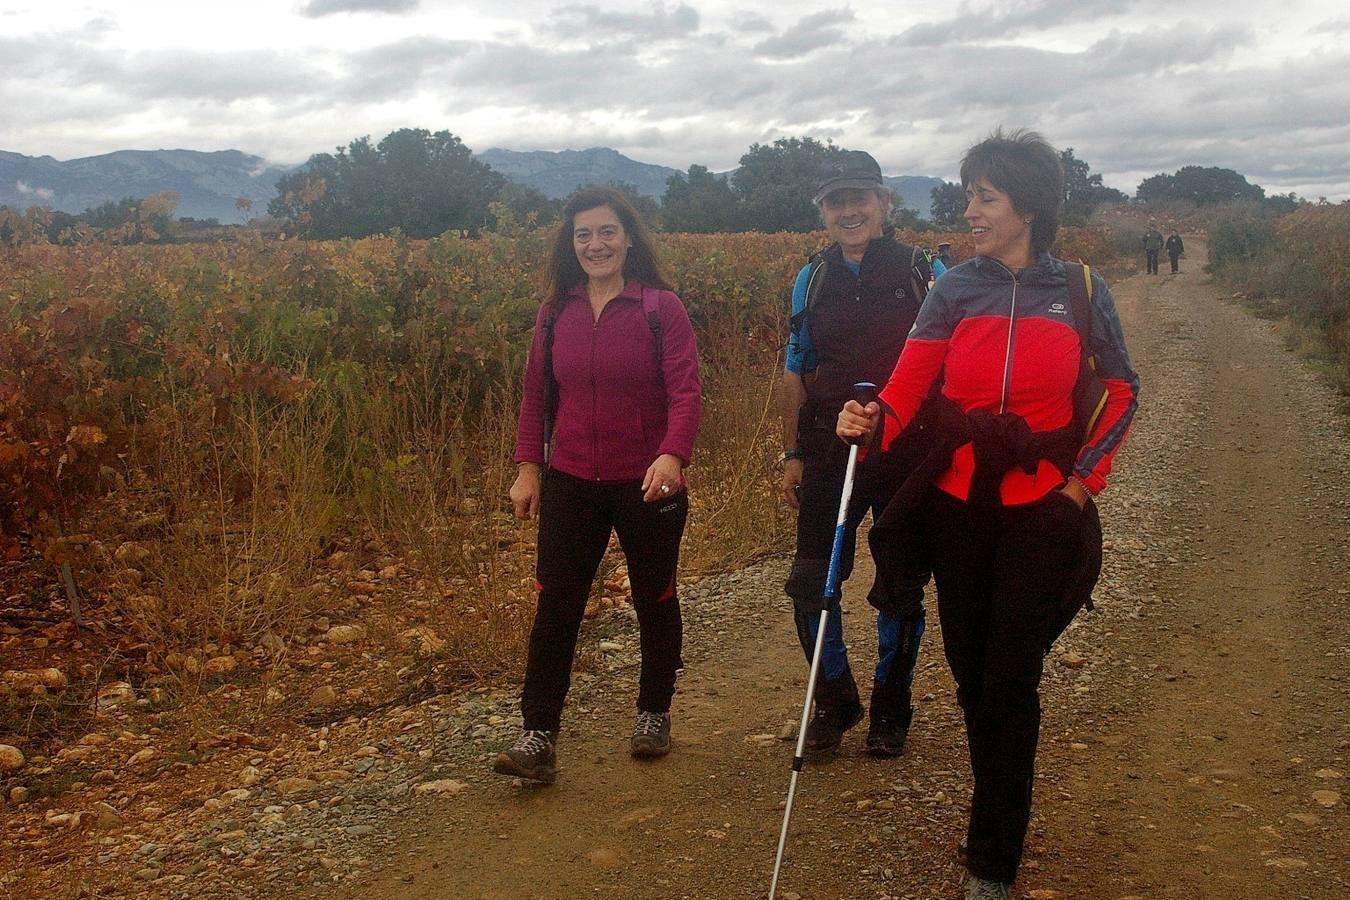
(1089, 392)
(814, 283)
(917, 283)
(1080, 302)
(550, 383)
(651, 309)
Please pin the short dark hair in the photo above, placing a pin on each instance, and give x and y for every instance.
(1025, 167)
(642, 263)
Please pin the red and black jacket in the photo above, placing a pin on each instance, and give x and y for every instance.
(1007, 343)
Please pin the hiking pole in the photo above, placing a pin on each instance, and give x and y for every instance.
(864, 392)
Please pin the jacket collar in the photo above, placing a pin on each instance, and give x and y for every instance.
(1042, 266)
(632, 290)
(877, 248)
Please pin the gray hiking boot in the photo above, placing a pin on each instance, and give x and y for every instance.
(651, 735)
(532, 757)
(984, 889)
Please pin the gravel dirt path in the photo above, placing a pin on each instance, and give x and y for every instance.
(1195, 732)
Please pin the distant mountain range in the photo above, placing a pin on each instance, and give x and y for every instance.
(913, 192)
(556, 174)
(208, 184)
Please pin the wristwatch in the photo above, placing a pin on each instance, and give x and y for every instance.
(791, 453)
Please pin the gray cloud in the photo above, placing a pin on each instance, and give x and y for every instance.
(316, 8)
(387, 72)
(1166, 49)
(978, 21)
(1333, 26)
(1131, 101)
(750, 23)
(602, 24)
(818, 30)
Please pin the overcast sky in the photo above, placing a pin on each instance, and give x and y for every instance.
(1134, 86)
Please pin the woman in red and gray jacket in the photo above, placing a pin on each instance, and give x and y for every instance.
(607, 424)
(1007, 521)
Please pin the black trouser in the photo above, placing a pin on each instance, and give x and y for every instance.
(1151, 257)
(900, 623)
(1000, 575)
(1174, 257)
(575, 519)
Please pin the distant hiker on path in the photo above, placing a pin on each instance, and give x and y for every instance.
(607, 424)
(852, 306)
(1153, 242)
(1174, 249)
(1007, 519)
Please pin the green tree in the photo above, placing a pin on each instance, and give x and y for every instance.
(776, 182)
(528, 205)
(134, 221)
(1083, 192)
(1282, 204)
(419, 181)
(949, 206)
(1201, 185)
(649, 208)
(904, 217)
(1158, 188)
(699, 202)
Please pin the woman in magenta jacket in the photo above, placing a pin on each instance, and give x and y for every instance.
(1008, 520)
(614, 368)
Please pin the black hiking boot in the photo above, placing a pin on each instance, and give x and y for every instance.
(532, 758)
(826, 729)
(651, 735)
(837, 710)
(886, 736)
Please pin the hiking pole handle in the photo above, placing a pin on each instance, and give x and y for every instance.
(864, 392)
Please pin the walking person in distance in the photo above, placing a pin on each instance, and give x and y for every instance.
(607, 423)
(852, 306)
(1006, 517)
(1153, 243)
(1175, 248)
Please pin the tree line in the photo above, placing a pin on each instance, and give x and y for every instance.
(425, 183)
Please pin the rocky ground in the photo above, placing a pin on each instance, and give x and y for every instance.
(1194, 742)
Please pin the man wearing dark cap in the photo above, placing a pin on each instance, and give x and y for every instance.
(853, 304)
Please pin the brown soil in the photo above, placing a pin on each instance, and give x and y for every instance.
(1195, 734)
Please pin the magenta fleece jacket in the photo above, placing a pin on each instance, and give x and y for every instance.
(616, 411)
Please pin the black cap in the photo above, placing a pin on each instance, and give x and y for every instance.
(848, 169)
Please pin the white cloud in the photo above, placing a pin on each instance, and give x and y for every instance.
(44, 193)
(316, 8)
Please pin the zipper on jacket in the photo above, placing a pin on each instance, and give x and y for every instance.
(595, 402)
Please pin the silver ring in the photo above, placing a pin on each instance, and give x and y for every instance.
(665, 489)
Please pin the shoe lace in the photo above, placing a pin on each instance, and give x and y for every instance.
(984, 889)
(533, 742)
(649, 723)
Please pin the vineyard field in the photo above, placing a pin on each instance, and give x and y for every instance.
(236, 446)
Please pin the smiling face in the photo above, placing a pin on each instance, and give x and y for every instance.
(601, 243)
(853, 217)
(1000, 231)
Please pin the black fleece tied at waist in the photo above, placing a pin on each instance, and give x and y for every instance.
(924, 450)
